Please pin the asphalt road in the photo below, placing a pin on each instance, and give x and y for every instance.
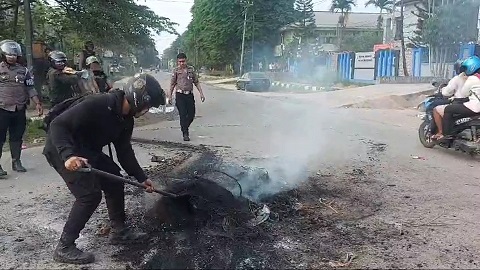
(294, 134)
(418, 185)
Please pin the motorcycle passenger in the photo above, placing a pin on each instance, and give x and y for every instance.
(455, 91)
(469, 108)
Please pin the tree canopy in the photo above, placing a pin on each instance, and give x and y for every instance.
(118, 25)
(214, 36)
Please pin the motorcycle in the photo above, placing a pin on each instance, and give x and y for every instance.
(466, 132)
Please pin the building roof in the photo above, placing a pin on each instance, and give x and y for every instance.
(354, 19)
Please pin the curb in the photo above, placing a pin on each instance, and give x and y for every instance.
(304, 86)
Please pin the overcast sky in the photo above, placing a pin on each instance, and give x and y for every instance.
(179, 11)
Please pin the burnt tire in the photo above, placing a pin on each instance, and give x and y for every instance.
(424, 135)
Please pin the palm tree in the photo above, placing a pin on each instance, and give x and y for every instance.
(343, 7)
(382, 5)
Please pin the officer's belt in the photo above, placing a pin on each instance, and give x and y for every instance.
(183, 92)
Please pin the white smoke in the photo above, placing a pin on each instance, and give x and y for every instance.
(292, 146)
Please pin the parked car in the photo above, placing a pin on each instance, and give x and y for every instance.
(254, 81)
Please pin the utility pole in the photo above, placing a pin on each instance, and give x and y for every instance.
(253, 37)
(243, 41)
(243, 36)
(28, 33)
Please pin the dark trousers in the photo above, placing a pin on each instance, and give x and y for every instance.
(186, 109)
(87, 189)
(14, 123)
(452, 112)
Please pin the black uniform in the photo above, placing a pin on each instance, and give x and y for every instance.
(83, 131)
(61, 86)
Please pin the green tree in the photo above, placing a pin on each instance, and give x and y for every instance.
(214, 36)
(343, 7)
(446, 28)
(305, 26)
(383, 5)
(362, 42)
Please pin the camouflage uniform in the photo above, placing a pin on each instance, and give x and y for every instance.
(182, 81)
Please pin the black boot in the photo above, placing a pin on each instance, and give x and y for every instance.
(3, 173)
(126, 235)
(186, 136)
(16, 150)
(67, 252)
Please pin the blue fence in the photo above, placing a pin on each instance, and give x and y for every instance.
(345, 65)
(386, 65)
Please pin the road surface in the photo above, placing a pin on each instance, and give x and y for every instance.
(426, 200)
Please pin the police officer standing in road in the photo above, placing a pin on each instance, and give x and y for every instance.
(16, 87)
(183, 79)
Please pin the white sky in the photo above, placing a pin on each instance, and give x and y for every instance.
(179, 11)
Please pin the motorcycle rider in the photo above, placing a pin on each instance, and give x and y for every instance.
(455, 91)
(61, 79)
(469, 108)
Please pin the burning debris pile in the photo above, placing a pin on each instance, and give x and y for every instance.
(207, 226)
(232, 217)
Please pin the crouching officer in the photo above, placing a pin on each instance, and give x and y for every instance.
(76, 137)
(183, 79)
(62, 80)
(16, 87)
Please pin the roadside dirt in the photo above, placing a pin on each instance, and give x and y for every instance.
(393, 102)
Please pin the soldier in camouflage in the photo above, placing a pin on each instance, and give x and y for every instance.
(183, 79)
(16, 88)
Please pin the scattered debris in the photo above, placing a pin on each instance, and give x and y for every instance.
(348, 260)
(328, 205)
(156, 158)
(261, 216)
(417, 157)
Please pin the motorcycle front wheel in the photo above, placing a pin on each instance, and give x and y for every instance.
(425, 136)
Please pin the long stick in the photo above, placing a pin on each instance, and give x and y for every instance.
(122, 179)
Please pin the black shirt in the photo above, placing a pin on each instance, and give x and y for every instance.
(87, 127)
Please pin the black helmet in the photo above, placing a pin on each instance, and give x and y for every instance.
(10, 48)
(57, 59)
(143, 91)
(458, 67)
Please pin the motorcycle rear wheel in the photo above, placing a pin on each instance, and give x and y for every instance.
(424, 135)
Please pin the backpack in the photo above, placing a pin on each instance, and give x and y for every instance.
(59, 109)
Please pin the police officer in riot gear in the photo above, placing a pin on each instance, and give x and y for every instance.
(16, 88)
(62, 80)
(76, 138)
